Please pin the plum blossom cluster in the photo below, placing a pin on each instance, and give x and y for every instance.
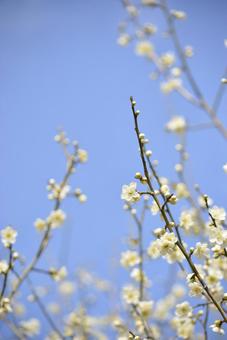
(191, 239)
(15, 271)
(181, 230)
(135, 30)
(192, 235)
(170, 68)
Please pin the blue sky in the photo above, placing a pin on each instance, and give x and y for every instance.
(60, 66)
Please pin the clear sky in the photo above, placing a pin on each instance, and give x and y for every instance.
(60, 66)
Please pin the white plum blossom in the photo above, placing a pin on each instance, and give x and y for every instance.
(219, 214)
(195, 289)
(144, 48)
(213, 277)
(165, 190)
(167, 59)
(57, 191)
(124, 39)
(178, 291)
(5, 306)
(40, 224)
(167, 87)
(138, 276)
(183, 310)
(30, 327)
(154, 249)
(167, 243)
(174, 256)
(184, 327)
(56, 218)
(129, 258)
(61, 138)
(130, 294)
(146, 308)
(181, 190)
(201, 250)
(187, 219)
(8, 236)
(217, 235)
(129, 193)
(82, 155)
(165, 246)
(177, 124)
(66, 288)
(3, 267)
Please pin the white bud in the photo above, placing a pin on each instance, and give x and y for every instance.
(178, 167)
(148, 153)
(141, 135)
(179, 147)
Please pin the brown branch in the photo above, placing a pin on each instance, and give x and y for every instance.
(6, 275)
(165, 217)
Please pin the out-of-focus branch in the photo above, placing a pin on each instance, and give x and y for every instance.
(201, 102)
(46, 236)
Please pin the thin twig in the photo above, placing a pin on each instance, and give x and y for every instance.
(201, 103)
(165, 217)
(6, 274)
(141, 255)
(45, 239)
